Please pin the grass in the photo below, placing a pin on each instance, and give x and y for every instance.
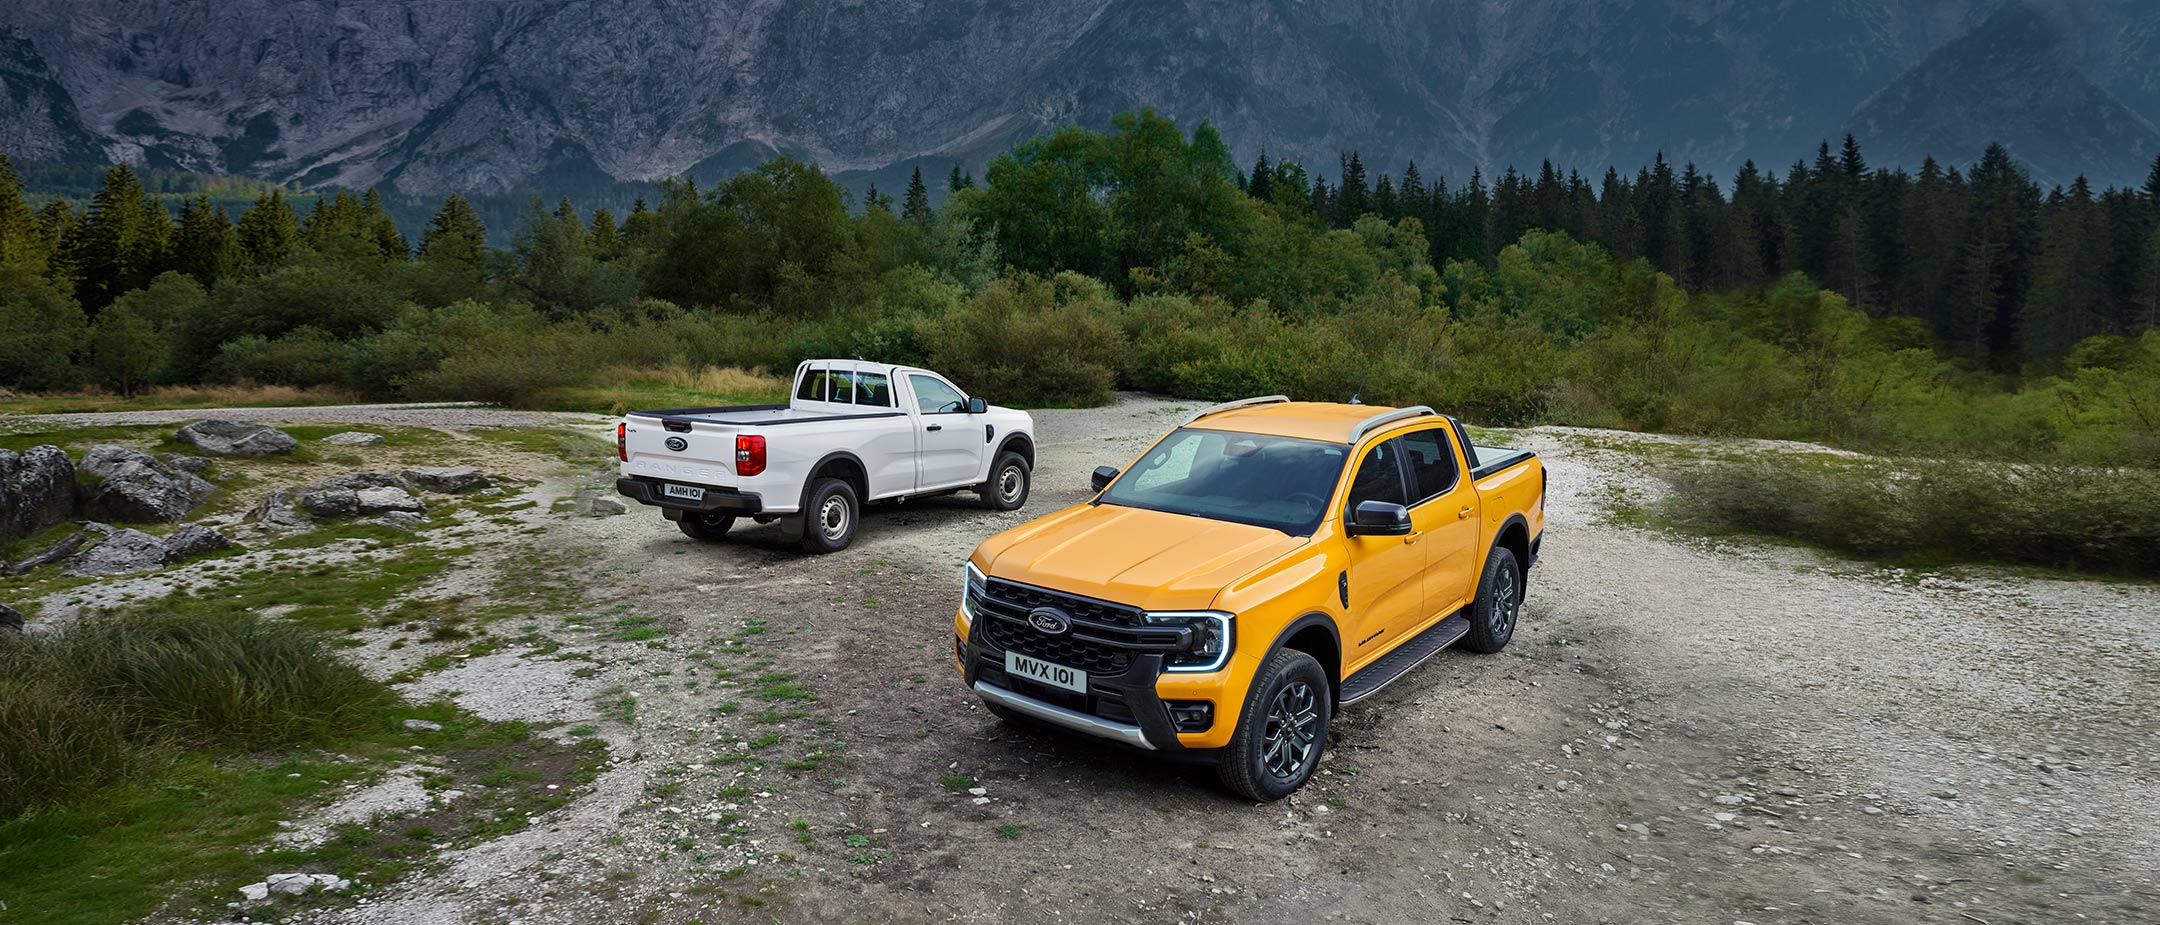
(621, 390)
(169, 397)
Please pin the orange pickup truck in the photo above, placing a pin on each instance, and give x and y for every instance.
(1259, 567)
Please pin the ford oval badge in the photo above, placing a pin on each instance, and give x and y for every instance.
(1050, 620)
(677, 444)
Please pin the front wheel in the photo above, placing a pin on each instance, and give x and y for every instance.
(1007, 488)
(829, 520)
(1498, 604)
(707, 527)
(1281, 731)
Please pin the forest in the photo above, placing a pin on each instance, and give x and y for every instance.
(1955, 310)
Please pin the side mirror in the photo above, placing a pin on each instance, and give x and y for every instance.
(977, 405)
(1103, 476)
(1379, 518)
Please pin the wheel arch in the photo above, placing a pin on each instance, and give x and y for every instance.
(1314, 634)
(842, 465)
(1514, 536)
(1018, 443)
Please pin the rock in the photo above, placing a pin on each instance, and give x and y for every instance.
(403, 520)
(233, 438)
(255, 892)
(446, 480)
(379, 500)
(135, 486)
(330, 502)
(194, 540)
(297, 884)
(122, 552)
(277, 512)
(423, 725)
(195, 464)
(353, 438)
(603, 506)
(10, 618)
(52, 554)
(37, 490)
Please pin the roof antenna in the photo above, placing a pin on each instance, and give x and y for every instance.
(1358, 397)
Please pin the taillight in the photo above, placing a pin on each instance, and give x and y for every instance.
(622, 442)
(749, 454)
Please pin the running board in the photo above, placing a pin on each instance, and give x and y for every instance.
(1370, 679)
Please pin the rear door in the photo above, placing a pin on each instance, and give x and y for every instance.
(1444, 508)
(950, 441)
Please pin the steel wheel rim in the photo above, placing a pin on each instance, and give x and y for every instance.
(833, 518)
(1507, 601)
(1009, 482)
(1291, 735)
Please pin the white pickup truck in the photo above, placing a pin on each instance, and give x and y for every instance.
(854, 432)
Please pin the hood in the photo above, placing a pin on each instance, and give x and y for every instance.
(1147, 559)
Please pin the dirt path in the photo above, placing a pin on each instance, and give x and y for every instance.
(1681, 732)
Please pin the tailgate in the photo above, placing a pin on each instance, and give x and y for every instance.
(679, 449)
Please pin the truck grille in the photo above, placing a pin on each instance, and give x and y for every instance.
(1104, 639)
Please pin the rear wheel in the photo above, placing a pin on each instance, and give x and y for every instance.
(702, 526)
(829, 520)
(1007, 488)
(1498, 604)
(1281, 731)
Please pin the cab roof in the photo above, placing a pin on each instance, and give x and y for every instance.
(1333, 422)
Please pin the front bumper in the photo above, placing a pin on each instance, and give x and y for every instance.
(1123, 708)
(716, 500)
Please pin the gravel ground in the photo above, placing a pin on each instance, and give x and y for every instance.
(1683, 731)
(448, 416)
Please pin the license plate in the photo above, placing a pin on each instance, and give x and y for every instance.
(1051, 673)
(685, 492)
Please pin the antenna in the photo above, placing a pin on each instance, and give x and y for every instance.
(1358, 397)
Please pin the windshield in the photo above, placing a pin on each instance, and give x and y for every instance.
(1278, 482)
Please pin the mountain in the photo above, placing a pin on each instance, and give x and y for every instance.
(430, 96)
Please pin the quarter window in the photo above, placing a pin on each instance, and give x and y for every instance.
(813, 385)
(1432, 463)
(1379, 475)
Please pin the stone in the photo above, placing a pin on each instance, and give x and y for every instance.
(37, 490)
(11, 619)
(423, 725)
(234, 438)
(194, 540)
(446, 480)
(403, 520)
(195, 464)
(353, 438)
(255, 892)
(298, 884)
(120, 553)
(277, 511)
(54, 553)
(330, 502)
(603, 506)
(132, 485)
(380, 500)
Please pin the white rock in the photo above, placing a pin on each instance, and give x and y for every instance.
(423, 725)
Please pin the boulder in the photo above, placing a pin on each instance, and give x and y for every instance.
(360, 480)
(194, 540)
(121, 552)
(135, 486)
(195, 464)
(403, 520)
(446, 480)
(353, 438)
(330, 502)
(604, 506)
(12, 619)
(276, 512)
(37, 490)
(380, 500)
(234, 438)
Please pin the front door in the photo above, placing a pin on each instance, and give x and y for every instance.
(1445, 510)
(949, 441)
(1387, 573)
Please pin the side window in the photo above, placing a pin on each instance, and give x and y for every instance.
(933, 396)
(813, 386)
(1379, 475)
(1432, 463)
(843, 388)
(873, 389)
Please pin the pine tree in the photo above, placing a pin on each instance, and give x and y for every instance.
(207, 246)
(455, 231)
(1354, 198)
(1413, 191)
(269, 230)
(1383, 199)
(2152, 184)
(2145, 298)
(605, 239)
(18, 232)
(959, 181)
(1261, 185)
(875, 201)
(121, 242)
(1996, 266)
(916, 206)
(1850, 163)
(2069, 299)
(382, 229)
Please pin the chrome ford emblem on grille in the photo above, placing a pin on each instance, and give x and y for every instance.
(1050, 620)
(677, 444)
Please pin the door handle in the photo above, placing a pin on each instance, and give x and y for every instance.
(942, 427)
(1465, 513)
(1412, 538)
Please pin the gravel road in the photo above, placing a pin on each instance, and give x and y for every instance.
(1683, 731)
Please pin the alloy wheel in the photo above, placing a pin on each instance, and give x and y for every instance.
(1291, 737)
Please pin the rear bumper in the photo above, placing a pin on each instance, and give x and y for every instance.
(716, 501)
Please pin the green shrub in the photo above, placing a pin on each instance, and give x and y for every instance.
(1032, 341)
(55, 742)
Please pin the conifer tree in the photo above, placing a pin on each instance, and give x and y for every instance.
(269, 230)
(1412, 191)
(959, 181)
(2152, 184)
(207, 246)
(1383, 199)
(2069, 300)
(381, 228)
(18, 232)
(121, 242)
(1353, 198)
(916, 206)
(456, 231)
(1261, 185)
(605, 239)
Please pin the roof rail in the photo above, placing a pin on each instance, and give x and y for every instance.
(1233, 406)
(1387, 417)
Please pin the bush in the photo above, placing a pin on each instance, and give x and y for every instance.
(55, 742)
(1032, 341)
(2070, 517)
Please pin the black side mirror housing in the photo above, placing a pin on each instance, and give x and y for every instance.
(1103, 476)
(977, 405)
(1378, 518)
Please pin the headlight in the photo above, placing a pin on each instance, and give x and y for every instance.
(972, 583)
(1212, 638)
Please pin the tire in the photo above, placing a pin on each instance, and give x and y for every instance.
(1262, 761)
(829, 519)
(1499, 603)
(1007, 488)
(707, 527)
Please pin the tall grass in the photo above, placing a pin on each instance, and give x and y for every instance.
(83, 706)
(2080, 518)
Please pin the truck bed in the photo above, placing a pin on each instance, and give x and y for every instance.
(1490, 459)
(751, 415)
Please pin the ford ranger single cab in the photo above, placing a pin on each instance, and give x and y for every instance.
(853, 432)
(1259, 567)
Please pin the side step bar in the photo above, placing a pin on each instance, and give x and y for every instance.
(1370, 679)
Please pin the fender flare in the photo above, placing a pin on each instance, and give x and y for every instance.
(1306, 622)
(810, 478)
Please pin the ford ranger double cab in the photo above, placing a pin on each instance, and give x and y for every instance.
(853, 432)
(1261, 566)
